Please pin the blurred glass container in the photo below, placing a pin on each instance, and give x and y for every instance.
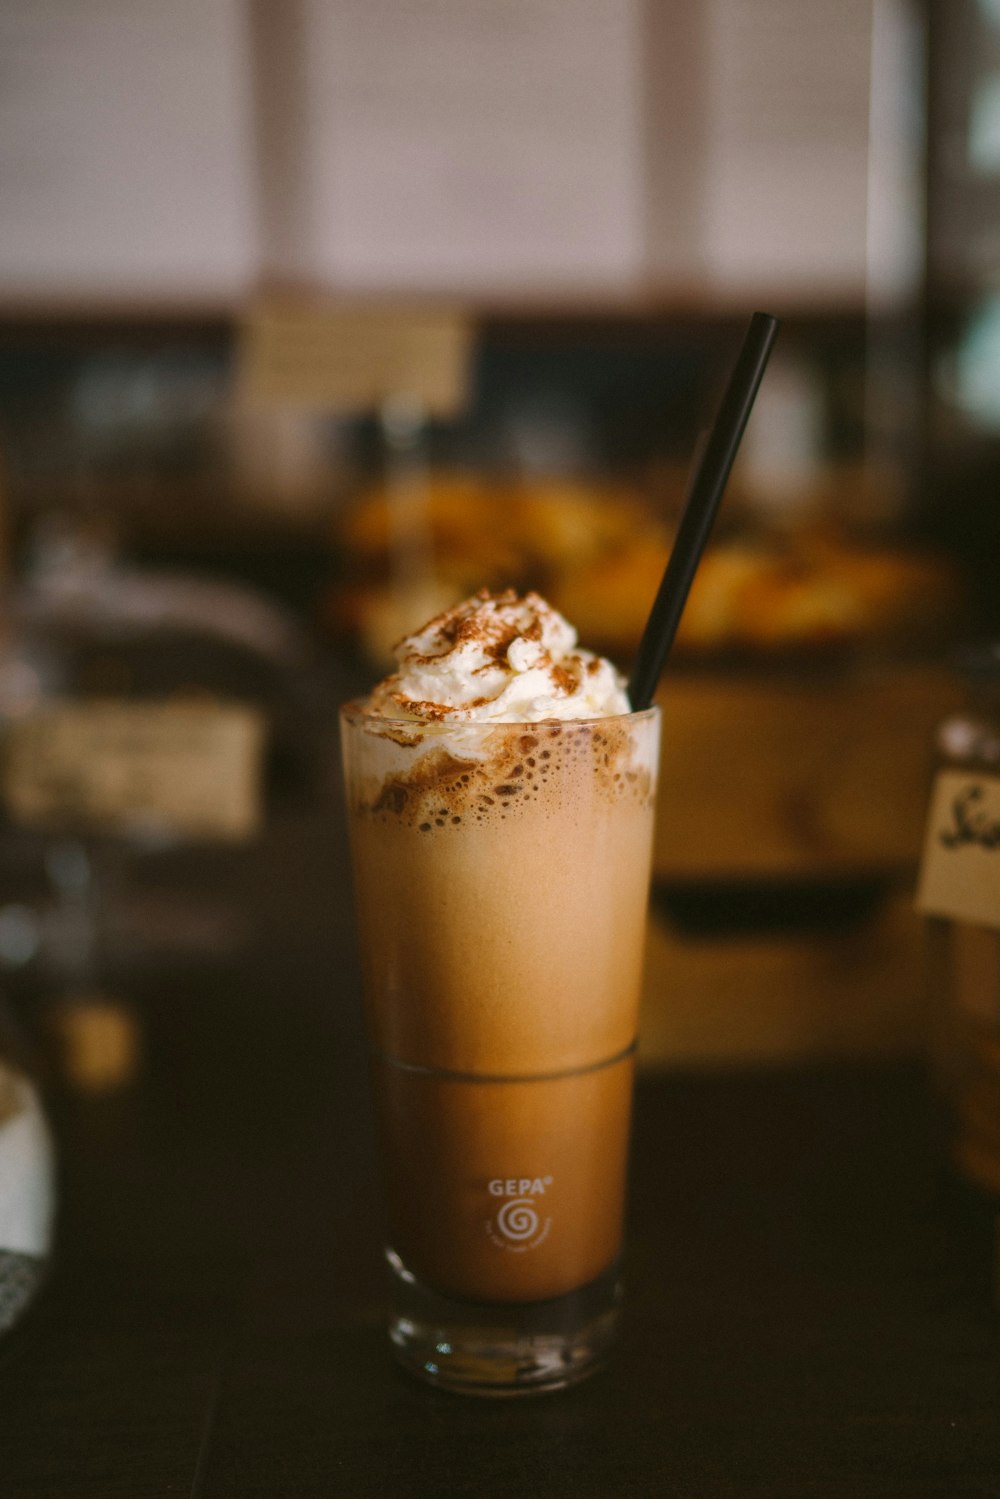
(965, 952)
(27, 1182)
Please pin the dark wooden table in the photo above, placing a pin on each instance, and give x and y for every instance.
(810, 1302)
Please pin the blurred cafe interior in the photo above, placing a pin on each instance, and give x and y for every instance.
(317, 316)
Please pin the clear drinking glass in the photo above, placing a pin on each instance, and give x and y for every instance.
(501, 879)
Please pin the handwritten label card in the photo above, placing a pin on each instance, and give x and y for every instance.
(338, 358)
(960, 872)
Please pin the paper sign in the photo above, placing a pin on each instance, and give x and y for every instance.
(354, 358)
(187, 769)
(960, 872)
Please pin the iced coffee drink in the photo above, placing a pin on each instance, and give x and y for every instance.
(501, 797)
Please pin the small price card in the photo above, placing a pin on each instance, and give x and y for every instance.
(960, 870)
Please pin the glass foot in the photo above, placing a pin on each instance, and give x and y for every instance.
(502, 1348)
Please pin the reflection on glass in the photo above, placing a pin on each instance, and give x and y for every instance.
(977, 389)
(984, 126)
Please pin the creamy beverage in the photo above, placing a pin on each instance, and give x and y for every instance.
(500, 796)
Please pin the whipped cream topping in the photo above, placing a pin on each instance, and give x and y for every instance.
(499, 658)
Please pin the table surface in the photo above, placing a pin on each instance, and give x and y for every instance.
(809, 1294)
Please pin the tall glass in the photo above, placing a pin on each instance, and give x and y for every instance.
(501, 878)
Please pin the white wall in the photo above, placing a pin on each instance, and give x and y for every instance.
(166, 149)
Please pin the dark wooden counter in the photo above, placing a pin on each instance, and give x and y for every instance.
(810, 1303)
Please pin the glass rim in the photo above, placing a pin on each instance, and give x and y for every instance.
(353, 712)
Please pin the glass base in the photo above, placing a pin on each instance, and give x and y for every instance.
(502, 1348)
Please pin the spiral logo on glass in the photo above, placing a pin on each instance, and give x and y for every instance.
(519, 1222)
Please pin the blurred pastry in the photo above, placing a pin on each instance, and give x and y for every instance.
(598, 552)
(465, 526)
(567, 523)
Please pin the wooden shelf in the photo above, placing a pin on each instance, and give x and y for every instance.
(542, 309)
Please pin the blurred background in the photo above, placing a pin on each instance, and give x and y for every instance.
(316, 315)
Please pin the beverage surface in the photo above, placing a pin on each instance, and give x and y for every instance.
(498, 658)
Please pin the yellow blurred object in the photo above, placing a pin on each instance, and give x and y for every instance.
(99, 1042)
(752, 599)
(461, 513)
(565, 523)
(597, 552)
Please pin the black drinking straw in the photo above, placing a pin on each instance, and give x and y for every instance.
(701, 507)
